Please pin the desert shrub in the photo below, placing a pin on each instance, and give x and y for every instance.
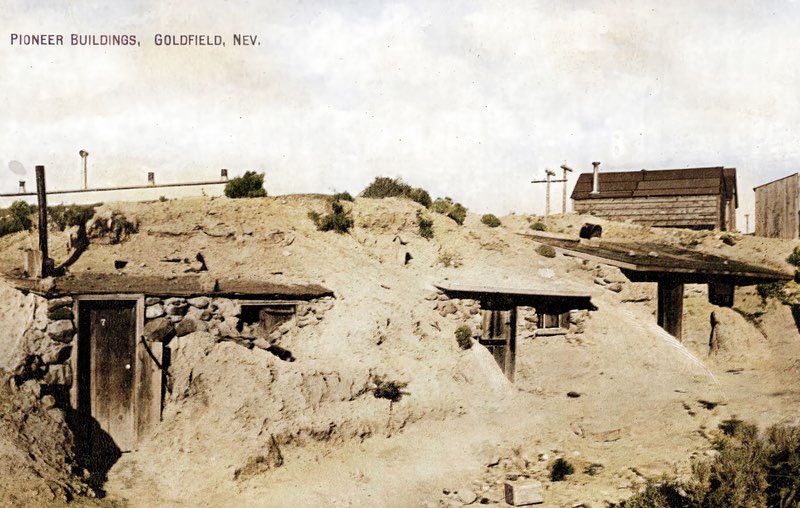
(249, 185)
(538, 226)
(449, 258)
(593, 468)
(771, 290)
(458, 213)
(391, 390)
(441, 205)
(163, 199)
(342, 196)
(750, 469)
(384, 187)
(491, 220)
(17, 219)
(421, 196)
(546, 250)
(729, 238)
(560, 469)
(659, 494)
(794, 257)
(464, 337)
(68, 216)
(338, 219)
(425, 225)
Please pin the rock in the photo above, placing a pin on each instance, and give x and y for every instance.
(261, 343)
(154, 311)
(159, 330)
(175, 319)
(467, 496)
(58, 375)
(61, 331)
(152, 300)
(599, 281)
(57, 355)
(523, 493)
(58, 303)
(189, 325)
(176, 308)
(60, 313)
(201, 302)
(226, 308)
(615, 276)
(615, 287)
(447, 308)
(48, 402)
(573, 395)
(31, 387)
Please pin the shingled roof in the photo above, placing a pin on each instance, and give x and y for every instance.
(661, 182)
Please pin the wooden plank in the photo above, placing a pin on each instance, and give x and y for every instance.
(682, 184)
(148, 393)
(670, 307)
(501, 324)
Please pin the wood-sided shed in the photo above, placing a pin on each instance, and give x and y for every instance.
(778, 208)
(671, 268)
(499, 313)
(114, 326)
(695, 198)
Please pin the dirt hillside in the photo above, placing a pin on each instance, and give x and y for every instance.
(243, 427)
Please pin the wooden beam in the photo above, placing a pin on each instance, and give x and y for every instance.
(670, 307)
(41, 193)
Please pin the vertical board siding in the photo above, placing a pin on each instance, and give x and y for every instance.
(777, 209)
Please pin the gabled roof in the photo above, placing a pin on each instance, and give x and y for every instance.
(710, 181)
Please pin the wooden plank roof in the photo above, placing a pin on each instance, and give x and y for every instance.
(550, 300)
(650, 262)
(88, 283)
(709, 181)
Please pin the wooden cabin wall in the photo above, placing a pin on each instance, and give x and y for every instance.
(659, 211)
(777, 209)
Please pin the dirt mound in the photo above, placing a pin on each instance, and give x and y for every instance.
(37, 462)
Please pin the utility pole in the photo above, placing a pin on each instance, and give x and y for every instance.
(550, 173)
(84, 155)
(566, 169)
(41, 193)
(746, 223)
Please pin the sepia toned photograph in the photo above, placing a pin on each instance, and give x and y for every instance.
(319, 253)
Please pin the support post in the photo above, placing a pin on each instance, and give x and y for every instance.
(499, 336)
(41, 194)
(670, 307)
(564, 187)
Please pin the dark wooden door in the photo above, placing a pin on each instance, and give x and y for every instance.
(498, 334)
(112, 328)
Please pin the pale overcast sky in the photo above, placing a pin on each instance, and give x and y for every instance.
(466, 99)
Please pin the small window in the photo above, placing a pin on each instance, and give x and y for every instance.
(265, 317)
(549, 321)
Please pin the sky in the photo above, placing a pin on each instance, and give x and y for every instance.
(470, 100)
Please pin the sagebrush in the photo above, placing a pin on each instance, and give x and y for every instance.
(249, 185)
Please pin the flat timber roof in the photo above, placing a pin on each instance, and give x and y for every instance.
(555, 300)
(650, 262)
(184, 286)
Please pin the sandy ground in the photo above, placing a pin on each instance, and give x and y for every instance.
(647, 402)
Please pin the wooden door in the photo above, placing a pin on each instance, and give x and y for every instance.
(112, 332)
(498, 334)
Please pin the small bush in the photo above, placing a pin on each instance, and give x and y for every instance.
(546, 250)
(18, 218)
(392, 390)
(338, 220)
(771, 290)
(464, 337)
(249, 185)
(441, 205)
(449, 258)
(729, 238)
(560, 469)
(491, 220)
(593, 469)
(384, 187)
(538, 226)
(458, 213)
(658, 494)
(425, 225)
(342, 196)
(421, 196)
(794, 257)
(68, 216)
(163, 199)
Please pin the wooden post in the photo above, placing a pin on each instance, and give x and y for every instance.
(41, 193)
(564, 188)
(670, 307)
